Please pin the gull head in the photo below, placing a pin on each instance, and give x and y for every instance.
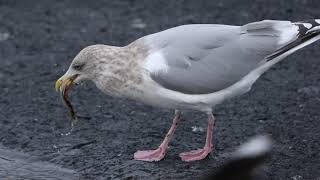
(90, 64)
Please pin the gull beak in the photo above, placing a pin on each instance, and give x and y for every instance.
(65, 83)
(62, 86)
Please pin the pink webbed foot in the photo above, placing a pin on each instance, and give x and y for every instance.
(150, 155)
(201, 153)
(195, 155)
(158, 154)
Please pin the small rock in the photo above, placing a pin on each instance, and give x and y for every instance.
(297, 177)
(4, 36)
(197, 129)
(311, 90)
(98, 106)
(83, 30)
(138, 24)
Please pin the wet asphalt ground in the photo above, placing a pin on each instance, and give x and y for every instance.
(38, 40)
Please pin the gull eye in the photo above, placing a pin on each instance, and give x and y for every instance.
(77, 67)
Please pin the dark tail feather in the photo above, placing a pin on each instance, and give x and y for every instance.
(309, 32)
(244, 161)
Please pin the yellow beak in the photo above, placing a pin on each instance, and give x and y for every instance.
(64, 83)
(58, 84)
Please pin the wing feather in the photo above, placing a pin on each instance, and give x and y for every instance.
(206, 58)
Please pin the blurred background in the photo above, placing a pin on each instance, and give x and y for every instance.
(38, 40)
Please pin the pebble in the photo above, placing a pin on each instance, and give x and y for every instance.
(197, 129)
(138, 24)
(310, 90)
(4, 36)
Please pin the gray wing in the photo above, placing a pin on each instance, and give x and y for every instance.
(207, 58)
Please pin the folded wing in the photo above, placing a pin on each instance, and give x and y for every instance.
(204, 58)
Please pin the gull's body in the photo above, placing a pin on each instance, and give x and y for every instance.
(192, 67)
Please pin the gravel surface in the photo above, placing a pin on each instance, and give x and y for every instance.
(38, 40)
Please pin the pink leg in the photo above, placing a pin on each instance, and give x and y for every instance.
(201, 153)
(158, 154)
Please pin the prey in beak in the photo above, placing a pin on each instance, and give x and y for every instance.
(63, 85)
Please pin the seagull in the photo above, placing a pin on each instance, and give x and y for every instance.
(189, 67)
